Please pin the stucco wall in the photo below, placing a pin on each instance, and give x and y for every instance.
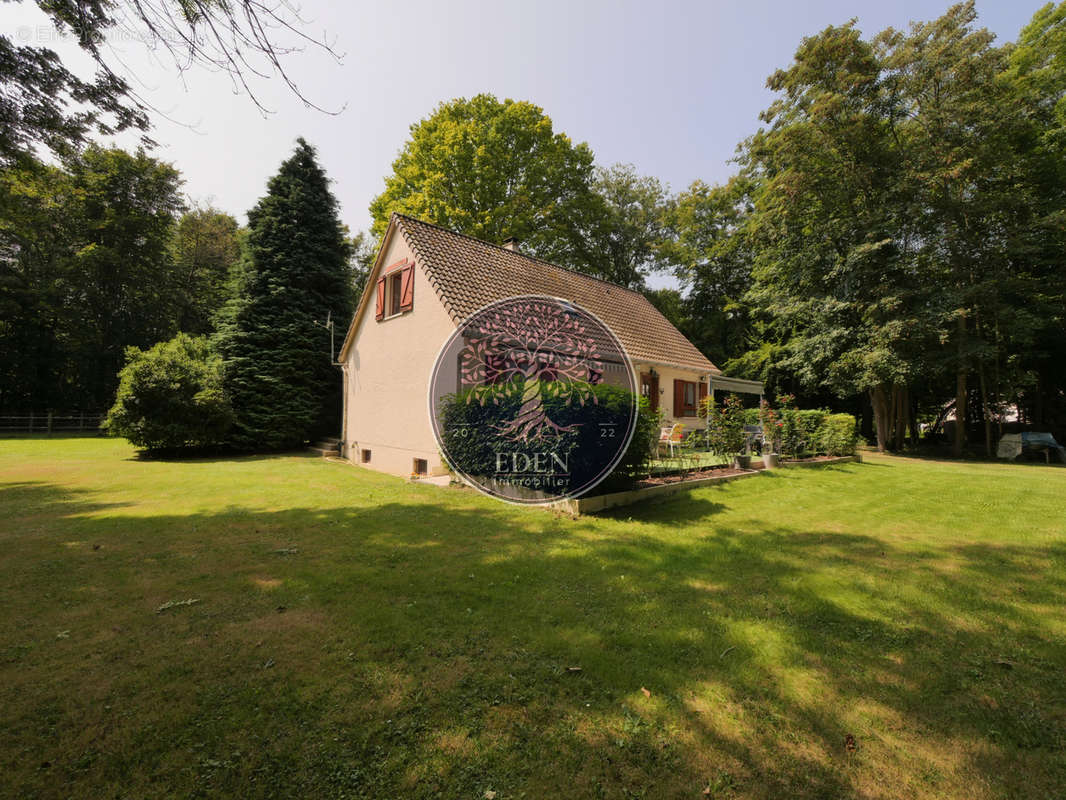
(387, 376)
(667, 375)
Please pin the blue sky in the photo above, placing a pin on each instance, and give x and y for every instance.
(671, 87)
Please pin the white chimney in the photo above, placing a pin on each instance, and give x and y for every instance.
(511, 244)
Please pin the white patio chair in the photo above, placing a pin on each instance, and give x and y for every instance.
(671, 436)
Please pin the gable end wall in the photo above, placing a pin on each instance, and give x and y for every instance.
(386, 376)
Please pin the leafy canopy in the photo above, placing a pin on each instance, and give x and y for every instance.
(491, 169)
(86, 271)
(42, 102)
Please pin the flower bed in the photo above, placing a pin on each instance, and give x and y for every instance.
(664, 486)
(682, 477)
(589, 505)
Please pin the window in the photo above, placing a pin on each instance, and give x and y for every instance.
(364, 456)
(421, 467)
(395, 292)
(649, 388)
(685, 394)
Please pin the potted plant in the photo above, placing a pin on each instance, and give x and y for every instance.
(771, 435)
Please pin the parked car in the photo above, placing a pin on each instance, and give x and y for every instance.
(1013, 445)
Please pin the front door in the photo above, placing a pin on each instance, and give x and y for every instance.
(649, 387)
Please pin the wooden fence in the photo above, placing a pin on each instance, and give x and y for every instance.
(82, 422)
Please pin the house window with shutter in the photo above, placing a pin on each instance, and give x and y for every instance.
(396, 291)
(685, 395)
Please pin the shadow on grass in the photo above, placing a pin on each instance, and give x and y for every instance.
(25, 498)
(431, 647)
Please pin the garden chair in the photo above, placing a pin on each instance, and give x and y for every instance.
(754, 436)
(671, 436)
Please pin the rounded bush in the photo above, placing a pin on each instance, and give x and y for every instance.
(170, 397)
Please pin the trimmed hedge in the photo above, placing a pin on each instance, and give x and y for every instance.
(812, 431)
(837, 435)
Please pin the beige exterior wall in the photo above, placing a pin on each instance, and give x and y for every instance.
(667, 375)
(386, 374)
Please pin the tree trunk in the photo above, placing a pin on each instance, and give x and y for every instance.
(900, 424)
(880, 402)
(985, 409)
(1038, 402)
(912, 417)
(960, 392)
(867, 418)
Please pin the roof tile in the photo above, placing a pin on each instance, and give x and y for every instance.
(469, 274)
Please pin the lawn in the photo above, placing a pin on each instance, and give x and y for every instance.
(356, 635)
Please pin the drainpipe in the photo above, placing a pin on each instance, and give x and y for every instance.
(344, 411)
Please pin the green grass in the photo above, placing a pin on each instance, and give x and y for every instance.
(360, 636)
(687, 459)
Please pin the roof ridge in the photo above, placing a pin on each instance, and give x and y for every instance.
(526, 256)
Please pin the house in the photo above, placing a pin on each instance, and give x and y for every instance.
(426, 281)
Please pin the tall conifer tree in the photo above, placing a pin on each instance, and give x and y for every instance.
(279, 368)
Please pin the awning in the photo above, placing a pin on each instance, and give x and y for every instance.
(720, 383)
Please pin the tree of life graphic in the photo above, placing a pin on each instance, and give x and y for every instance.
(537, 348)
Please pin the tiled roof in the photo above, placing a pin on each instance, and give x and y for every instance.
(469, 273)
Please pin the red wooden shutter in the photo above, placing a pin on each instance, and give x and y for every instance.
(407, 291)
(381, 299)
(679, 397)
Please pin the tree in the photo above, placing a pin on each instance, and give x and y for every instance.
(279, 371)
(170, 397)
(38, 232)
(42, 102)
(964, 141)
(1035, 374)
(493, 169)
(904, 227)
(363, 254)
(1038, 70)
(128, 205)
(620, 231)
(709, 251)
(827, 235)
(86, 272)
(204, 249)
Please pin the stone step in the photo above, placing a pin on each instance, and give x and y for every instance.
(325, 448)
